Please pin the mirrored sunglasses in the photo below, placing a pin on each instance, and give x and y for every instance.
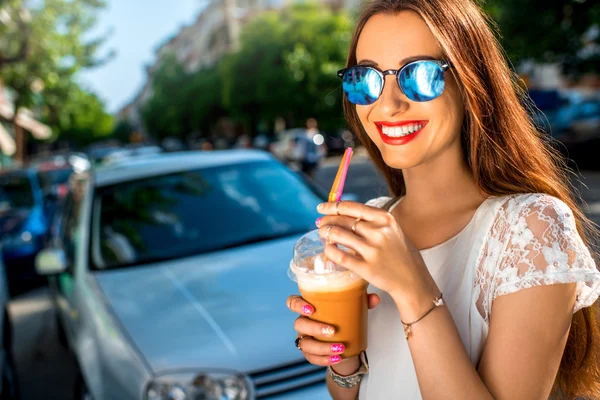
(420, 81)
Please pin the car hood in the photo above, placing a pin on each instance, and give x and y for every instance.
(224, 310)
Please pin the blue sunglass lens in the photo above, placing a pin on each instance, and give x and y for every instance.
(422, 81)
(362, 85)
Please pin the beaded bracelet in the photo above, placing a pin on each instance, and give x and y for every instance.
(438, 301)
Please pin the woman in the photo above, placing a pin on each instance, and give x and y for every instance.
(483, 284)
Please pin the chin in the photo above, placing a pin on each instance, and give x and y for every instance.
(397, 160)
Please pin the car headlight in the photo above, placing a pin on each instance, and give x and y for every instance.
(18, 239)
(200, 386)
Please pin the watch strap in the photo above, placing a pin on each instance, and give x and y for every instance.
(354, 379)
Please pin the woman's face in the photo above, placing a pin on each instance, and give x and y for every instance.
(386, 42)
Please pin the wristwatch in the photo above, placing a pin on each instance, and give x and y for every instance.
(351, 380)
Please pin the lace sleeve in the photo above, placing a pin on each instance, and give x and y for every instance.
(543, 247)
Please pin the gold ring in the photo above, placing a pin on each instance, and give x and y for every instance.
(327, 232)
(337, 208)
(290, 300)
(354, 224)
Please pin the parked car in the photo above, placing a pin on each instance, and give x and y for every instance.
(169, 278)
(23, 224)
(54, 178)
(130, 152)
(284, 148)
(585, 123)
(9, 386)
(97, 154)
(338, 143)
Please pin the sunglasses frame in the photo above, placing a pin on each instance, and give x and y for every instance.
(445, 65)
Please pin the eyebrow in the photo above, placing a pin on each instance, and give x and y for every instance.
(403, 62)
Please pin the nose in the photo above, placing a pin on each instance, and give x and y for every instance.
(392, 100)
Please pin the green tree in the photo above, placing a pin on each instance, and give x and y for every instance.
(182, 102)
(166, 113)
(14, 32)
(55, 47)
(82, 118)
(43, 46)
(548, 30)
(122, 131)
(286, 66)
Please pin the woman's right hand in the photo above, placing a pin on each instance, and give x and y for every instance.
(316, 352)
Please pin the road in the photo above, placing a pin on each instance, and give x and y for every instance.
(46, 370)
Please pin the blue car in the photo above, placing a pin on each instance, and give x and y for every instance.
(23, 224)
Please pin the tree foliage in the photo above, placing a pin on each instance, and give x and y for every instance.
(182, 102)
(549, 31)
(82, 118)
(43, 45)
(285, 66)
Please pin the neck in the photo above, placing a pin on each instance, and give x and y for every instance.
(443, 183)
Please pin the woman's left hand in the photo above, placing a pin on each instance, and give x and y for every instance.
(384, 256)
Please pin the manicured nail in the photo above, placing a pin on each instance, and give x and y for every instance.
(307, 309)
(318, 222)
(338, 348)
(328, 331)
(335, 359)
(330, 264)
(320, 207)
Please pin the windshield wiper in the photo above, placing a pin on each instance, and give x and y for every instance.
(197, 252)
(262, 238)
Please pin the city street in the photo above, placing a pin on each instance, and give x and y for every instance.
(47, 371)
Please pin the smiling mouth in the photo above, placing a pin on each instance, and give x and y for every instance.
(401, 129)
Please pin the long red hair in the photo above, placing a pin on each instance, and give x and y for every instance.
(502, 147)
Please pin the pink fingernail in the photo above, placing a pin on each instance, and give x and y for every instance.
(338, 348)
(306, 309)
(318, 222)
(335, 359)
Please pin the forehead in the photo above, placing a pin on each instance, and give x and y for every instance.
(388, 38)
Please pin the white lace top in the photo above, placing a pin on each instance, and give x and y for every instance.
(511, 243)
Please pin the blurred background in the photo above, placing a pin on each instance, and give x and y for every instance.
(129, 128)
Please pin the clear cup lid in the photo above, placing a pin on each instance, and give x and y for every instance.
(309, 257)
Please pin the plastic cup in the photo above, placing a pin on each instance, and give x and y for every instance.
(339, 296)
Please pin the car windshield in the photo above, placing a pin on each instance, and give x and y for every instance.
(15, 192)
(198, 211)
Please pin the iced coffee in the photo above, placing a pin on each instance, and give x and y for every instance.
(338, 295)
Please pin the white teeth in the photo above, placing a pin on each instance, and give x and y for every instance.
(400, 131)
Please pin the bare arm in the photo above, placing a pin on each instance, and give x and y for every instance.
(527, 337)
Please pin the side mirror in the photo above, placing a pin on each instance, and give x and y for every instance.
(349, 197)
(50, 262)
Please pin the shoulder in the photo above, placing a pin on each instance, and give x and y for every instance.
(525, 203)
(538, 211)
(378, 202)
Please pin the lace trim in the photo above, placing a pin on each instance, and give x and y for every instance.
(534, 241)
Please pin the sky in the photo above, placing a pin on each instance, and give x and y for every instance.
(136, 28)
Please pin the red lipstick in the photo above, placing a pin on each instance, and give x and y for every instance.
(399, 140)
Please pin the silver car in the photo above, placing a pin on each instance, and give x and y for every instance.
(169, 278)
